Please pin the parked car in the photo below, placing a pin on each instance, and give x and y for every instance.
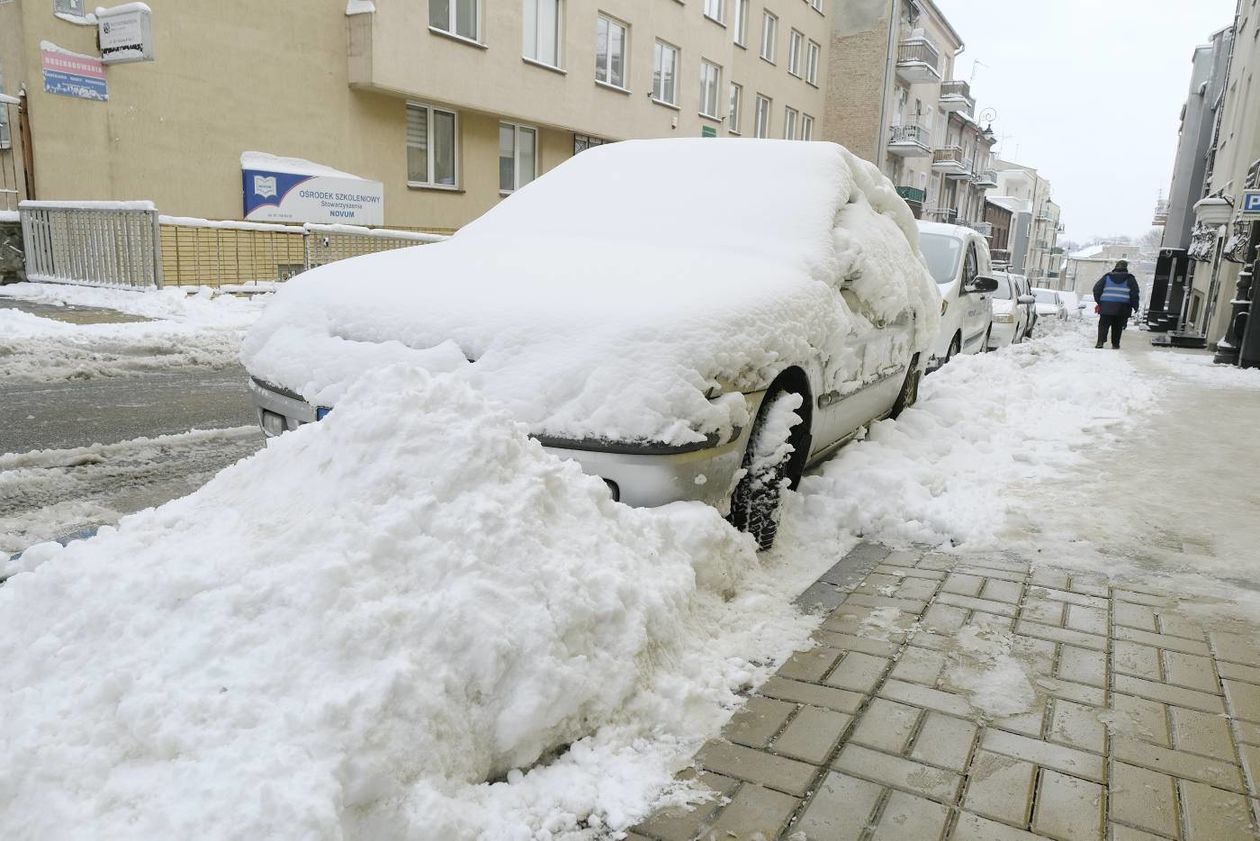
(958, 259)
(1050, 304)
(1072, 304)
(677, 356)
(1010, 313)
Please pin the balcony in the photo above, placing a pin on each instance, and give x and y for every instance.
(910, 141)
(1161, 213)
(956, 96)
(950, 161)
(984, 229)
(986, 179)
(948, 215)
(912, 195)
(918, 61)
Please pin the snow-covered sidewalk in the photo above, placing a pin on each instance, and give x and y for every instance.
(189, 327)
(410, 621)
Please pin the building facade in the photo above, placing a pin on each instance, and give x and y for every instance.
(1034, 247)
(449, 104)
(893, 98)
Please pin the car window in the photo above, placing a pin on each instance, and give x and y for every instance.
(1003, 292)
(1045, 296)
(970, 268)
(942, 253)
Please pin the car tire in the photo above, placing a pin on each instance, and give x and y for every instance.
(757, 501)
(955, 348)
(909, 393)
(988, 334)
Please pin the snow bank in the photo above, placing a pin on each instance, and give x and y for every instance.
(451, 605)
(1200, 368)
(943, 471)
(199, 306)
(620, 324)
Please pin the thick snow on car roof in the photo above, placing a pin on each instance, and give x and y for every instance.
(606, 298)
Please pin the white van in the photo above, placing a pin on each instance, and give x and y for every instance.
(958, 259)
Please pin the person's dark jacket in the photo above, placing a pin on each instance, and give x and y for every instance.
(1116, 307)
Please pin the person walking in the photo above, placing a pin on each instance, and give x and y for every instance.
(1117, 295)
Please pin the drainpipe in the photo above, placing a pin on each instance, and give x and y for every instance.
(890, 72)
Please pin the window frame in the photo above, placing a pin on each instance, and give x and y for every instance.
(517, 130)
(559, 34)
(813, 58)
(658, 51)
(761, 130)
(431, 147)
(790, 119)
(807, 127)
(604, 17)
(452, 14)
(721, 11)
(796, 50)
(769, 35)
(740, 24)
(735, 105)
(716, 88)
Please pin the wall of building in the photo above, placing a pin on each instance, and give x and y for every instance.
(336, 93)
(858, 74)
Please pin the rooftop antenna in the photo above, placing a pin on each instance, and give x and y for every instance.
(975, 63)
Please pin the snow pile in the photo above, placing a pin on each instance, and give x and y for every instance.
(191, 327)
(943, 471)
(622, 324)
(348, 634)
(1200, 368)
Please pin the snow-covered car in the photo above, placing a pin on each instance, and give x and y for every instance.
(1050, 304)
(1010, 313)
(1072, 304)
(1023, 291)
(679, 332)
(958, 259)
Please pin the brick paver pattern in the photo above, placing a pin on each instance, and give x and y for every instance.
(1146, 723)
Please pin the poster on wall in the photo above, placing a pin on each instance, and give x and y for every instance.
(125, 33)
(72, 74)
(294, 190)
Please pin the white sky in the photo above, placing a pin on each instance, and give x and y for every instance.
(1089, 93)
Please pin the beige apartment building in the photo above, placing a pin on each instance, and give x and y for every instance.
(893, 97)
(449, 104)
(1036, 222)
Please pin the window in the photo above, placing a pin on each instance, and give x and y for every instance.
(732, 117)
(789, 123)
(710, 84)
(817, 4)
(664, 73)
(610, 51)
(769, 34)
(715, 10)
(582, 142)
(70, 7)
(812, 52)
(541, 28)
(458, 17)
(741, 22)
(518, 156)
(795, 42)
(431, 146)
(761, 128)
(807, 127)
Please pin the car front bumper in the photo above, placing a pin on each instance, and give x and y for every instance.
(641, 476)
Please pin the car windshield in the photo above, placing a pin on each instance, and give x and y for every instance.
(1045, 296)
(1003, 292)
(942, 254)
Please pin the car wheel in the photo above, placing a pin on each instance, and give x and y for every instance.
(955, 348)
(757, 501)
(909, 394)
(987, 334)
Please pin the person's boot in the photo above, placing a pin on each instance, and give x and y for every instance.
(1100, 344)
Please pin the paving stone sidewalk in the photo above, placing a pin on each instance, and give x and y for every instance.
(1145, 724)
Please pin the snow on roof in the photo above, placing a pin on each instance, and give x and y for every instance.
(612, 319)
(296, 166)
(1093, 252)
(1014, 205)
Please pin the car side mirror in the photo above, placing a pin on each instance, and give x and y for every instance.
(982, 284)
(1026, 299)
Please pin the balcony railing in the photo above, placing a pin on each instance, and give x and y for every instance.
(986, 178)
(918, 61)
(951, 161)
(910, 141)
(956, 96)
(912, 194)
(948, 215)
(985, 229)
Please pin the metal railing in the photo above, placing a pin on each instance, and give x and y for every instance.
(987, 176)
(911, 133)
(914, 194)
(92, 243)
(958, 91)
(919, 51)
(949, 215)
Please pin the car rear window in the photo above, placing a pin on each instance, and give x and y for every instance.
(942, 254)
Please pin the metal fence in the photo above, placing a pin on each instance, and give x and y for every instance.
(127, 244)
(92, 243)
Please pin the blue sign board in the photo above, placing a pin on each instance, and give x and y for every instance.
(1251, 203)
(70, 74)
